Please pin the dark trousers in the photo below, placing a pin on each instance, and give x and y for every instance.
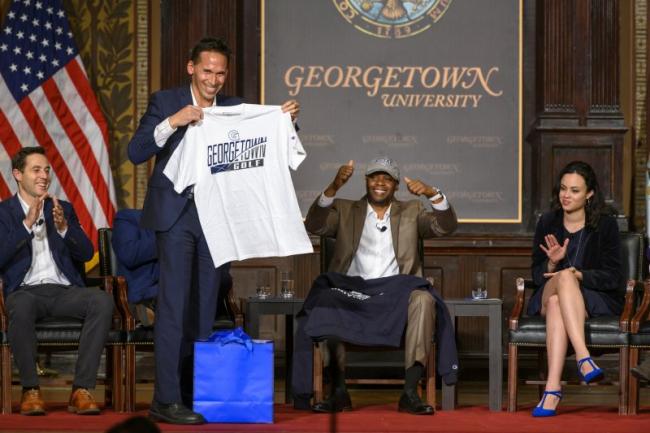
(186, 304)
(29, 304)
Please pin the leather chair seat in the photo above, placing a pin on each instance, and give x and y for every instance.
(642, 339)
(599, 331)
(140, 335)
(605, 331)
(59, 324)
(531, 331)
(57, 331)
(223, 323)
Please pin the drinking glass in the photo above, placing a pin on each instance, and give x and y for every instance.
(286, 284)
(263, 290)
(479, 290)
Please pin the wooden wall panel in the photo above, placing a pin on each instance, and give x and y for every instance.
(445, 271)
(603, 150)
(605, 78)
(556, 60)
(579, 116)
(184, 23)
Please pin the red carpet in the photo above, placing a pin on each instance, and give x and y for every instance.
(382, 418)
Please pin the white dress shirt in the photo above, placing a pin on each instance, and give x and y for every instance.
(43, 269)
(375, 256)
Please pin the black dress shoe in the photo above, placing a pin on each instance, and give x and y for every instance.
(174, 413)
(412, 404)
(301, 402)
(338, 402)
(642, 371)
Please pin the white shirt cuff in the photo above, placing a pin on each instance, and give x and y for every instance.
(325, 201)
(27, 228)
(443, 205)
(162, 132)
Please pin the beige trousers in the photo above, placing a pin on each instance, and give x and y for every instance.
(421, 321)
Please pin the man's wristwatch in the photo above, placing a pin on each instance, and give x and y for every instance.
(437, 196)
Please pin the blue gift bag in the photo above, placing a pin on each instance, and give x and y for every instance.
(233, 378)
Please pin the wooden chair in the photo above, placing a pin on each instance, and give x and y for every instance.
(603, 334)
(62, 334)
(639, 340)
(326, 251)
(141, 337)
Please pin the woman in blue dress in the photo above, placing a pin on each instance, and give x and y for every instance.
(577, 273)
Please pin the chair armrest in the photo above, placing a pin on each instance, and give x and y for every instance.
(103, 283)
(243, 303)
(234, 308)
(628, 307)
(518, 308)
(106, 284)
(3, 311)
(642, 311)
(122, 302)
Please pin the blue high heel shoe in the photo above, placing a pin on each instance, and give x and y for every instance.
(539, 410)
(594, 375)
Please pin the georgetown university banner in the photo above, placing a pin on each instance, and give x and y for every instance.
(434, 84)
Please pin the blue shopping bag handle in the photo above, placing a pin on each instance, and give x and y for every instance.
(236, 336)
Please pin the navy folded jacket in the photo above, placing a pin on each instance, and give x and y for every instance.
(365, 312)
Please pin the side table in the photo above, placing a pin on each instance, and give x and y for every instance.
(289, 307)
(480, 308)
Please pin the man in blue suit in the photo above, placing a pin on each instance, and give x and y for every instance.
(137, 261)
(188, 279)
(42, 245)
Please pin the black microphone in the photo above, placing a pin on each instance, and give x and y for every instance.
(381, 228)
(40, 222)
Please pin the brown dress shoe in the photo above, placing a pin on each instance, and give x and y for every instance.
(82, 403)
(32, 403)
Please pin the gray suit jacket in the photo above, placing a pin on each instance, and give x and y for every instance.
(409, 222)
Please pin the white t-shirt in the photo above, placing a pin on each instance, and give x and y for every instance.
(238, 160)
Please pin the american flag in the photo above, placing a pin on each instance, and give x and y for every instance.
(46, 100)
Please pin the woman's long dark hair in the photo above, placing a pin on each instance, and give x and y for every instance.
(595, 206)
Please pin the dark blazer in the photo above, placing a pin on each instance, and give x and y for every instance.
(137, 258)
(163, 205)
(409, 222)
(602, 265)
(16, 244)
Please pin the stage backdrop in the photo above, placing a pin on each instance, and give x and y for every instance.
(433, 84)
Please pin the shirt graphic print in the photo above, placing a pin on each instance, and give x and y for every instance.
(238, 159)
